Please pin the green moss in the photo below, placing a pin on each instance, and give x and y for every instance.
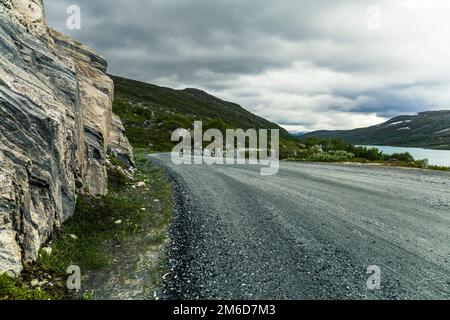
(14, 289)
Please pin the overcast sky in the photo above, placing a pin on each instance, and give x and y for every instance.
(305, 65)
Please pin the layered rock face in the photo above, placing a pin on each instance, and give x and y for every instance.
(56, 127)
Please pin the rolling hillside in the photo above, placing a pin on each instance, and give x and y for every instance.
(150, 113)
(426, 130)
(297, 134)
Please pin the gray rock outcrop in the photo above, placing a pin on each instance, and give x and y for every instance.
(56, 127)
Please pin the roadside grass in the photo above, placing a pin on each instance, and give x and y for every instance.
(98, 226)
(439, 168)
(400, 164)
(417, 164)
(15, 289)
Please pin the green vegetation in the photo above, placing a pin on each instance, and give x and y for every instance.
(15, 289)
(334, 156)
(337, 150)
(100, 225)
(151, 113)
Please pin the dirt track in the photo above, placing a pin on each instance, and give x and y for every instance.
(310, 231)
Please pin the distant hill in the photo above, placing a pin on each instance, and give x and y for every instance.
(297, 134)
(426, 129)
(150, 113)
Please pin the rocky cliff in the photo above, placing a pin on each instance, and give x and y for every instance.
(56, 128)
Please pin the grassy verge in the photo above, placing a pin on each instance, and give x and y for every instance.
(417, 164)
(401, 164)
(99, 226)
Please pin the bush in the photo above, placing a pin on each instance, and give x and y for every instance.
(406, 157)
(372, 154)
(331, 156)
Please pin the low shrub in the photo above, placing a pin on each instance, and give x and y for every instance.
(331, 156)
(14, 289)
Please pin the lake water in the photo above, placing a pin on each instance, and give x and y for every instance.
(435, 157)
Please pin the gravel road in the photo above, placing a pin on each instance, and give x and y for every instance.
(309, 232)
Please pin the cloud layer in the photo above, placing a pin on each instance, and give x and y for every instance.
(305, 65)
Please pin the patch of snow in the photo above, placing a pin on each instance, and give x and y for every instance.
(394, 123)
(404, 128)
(442, 131)
(397, 123)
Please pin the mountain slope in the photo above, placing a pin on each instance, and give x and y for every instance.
(426, 129)
(297, 134)
(150, 113)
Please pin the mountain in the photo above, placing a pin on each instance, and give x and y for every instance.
(150, 113)
(55, 130)
(297, 134)
(426, 130)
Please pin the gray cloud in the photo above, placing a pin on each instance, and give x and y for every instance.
(303, 64)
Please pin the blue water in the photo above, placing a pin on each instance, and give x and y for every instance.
(435, 157)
